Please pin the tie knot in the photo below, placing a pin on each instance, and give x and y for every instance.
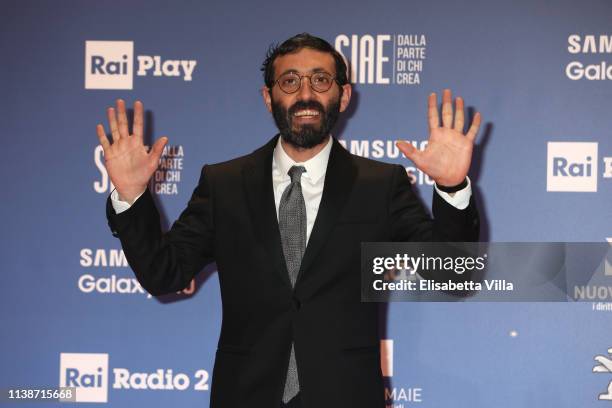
(295, 172)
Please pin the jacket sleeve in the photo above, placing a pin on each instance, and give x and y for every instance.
(409, 221)
(166, 262)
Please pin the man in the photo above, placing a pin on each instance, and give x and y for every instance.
(284, 225)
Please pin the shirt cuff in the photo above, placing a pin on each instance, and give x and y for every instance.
(461, 199)
(118, 205)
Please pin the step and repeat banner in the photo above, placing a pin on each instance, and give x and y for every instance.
(72, 311)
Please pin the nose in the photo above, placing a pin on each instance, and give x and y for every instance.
(305, 92)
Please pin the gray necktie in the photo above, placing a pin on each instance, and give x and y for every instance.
(292, 225)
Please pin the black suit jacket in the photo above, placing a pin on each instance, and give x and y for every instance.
(231, 219)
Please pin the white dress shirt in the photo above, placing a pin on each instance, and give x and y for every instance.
(312, 183)
(312, 180)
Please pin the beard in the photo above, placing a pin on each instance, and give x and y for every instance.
(305, 136)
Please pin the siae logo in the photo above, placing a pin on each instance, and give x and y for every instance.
(110, 65)
(88, 372)
(383, 58)
(571, 166)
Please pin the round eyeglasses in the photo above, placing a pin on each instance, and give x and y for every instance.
(292, 81)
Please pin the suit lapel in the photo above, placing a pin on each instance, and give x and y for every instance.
(257, 176)
(339, 178)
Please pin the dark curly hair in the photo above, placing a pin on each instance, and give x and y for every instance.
(296, 43)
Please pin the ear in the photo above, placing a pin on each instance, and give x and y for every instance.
(265, 92)
(346, 97)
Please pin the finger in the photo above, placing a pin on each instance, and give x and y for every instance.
(138, 119)
(158, 148)
(409, 151)
(112, 122)
(102, 137)
(432, 112)
(459, 119)
(447, 109)
(122, 118)
(471, 134)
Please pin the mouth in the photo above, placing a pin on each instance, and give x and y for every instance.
(306, 113)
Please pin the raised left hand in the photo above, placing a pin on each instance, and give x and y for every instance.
(448, 154)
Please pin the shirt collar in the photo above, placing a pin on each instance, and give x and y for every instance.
(315, 166)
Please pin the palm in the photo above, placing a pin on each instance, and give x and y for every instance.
(448, 154)
(129, 164)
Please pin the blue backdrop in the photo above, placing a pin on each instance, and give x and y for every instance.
(70, 309)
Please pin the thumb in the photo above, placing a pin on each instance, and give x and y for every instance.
(409, 151)
(158, 147)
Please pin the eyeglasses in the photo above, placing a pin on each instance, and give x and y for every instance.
(292, 81)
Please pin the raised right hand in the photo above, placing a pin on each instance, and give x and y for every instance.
(127, 161)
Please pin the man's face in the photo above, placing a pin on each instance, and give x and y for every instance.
(304, 118)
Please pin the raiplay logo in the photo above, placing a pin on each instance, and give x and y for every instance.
(110, 65)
